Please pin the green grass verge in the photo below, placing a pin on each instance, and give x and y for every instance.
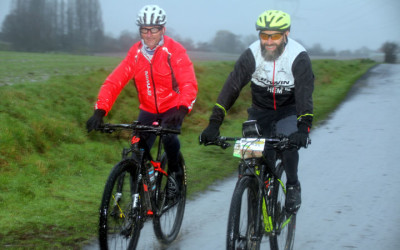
(52, 172)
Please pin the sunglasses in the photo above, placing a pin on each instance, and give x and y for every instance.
(275, 36)
(152, 30)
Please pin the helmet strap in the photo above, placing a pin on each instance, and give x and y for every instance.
(286, 38)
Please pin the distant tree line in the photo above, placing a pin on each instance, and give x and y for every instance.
(77, 26)
(51, 25)
(389, 49)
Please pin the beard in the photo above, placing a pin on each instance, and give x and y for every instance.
(272, 55)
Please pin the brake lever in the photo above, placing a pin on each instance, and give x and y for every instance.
(225, 145)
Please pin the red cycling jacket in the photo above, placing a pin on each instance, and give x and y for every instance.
(167, 81)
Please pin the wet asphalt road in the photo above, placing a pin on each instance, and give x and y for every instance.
(351, 173)
(350, 178)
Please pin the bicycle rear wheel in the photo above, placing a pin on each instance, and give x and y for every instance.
(284, 224)
(242, 213)
(167, 223)
(119, 224)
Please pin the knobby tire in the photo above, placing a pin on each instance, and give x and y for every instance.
(167, 225)
(242, 212)
(119, 226)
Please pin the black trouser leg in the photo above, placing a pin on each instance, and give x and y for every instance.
(171, 142)
(269, 156)
(172, 148)
(290, 159)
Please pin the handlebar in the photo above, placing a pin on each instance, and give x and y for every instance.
(136, 126)
(280, 142)
(222, 141)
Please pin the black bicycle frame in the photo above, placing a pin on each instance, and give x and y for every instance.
(139, 156)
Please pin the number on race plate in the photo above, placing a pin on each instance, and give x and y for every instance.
(249, 148)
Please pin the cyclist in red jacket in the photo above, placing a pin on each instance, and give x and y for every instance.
(165, 81)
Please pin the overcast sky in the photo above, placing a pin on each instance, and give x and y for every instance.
(337, 24)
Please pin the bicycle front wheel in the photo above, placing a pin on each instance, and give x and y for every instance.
(168, 220)
(284, 224)
(120, 224)
(242, 213)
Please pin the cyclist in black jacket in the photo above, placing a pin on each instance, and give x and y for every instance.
(282, 82)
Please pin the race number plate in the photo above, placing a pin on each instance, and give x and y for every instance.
(249, 148)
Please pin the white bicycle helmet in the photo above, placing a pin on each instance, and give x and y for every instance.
(151, 15)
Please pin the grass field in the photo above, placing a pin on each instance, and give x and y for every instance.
(52, 172)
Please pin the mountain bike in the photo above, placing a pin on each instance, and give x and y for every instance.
(257, 207)
(135, 192)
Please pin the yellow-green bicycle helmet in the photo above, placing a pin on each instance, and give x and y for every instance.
(275, 20)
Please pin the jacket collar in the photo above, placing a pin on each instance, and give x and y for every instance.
(150, 52)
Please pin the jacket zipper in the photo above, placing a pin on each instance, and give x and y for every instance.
(273, 85)
(154, 87)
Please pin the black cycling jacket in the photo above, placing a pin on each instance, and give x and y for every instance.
(288, 81)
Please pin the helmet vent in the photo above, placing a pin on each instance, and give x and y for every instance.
(151, 15)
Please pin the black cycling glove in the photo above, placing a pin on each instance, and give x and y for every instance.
(300, 138)
(211, 133)
(96, 120)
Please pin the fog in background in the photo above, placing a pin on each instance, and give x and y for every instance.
(338, 25)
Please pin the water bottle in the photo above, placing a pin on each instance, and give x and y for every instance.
(152, 179)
